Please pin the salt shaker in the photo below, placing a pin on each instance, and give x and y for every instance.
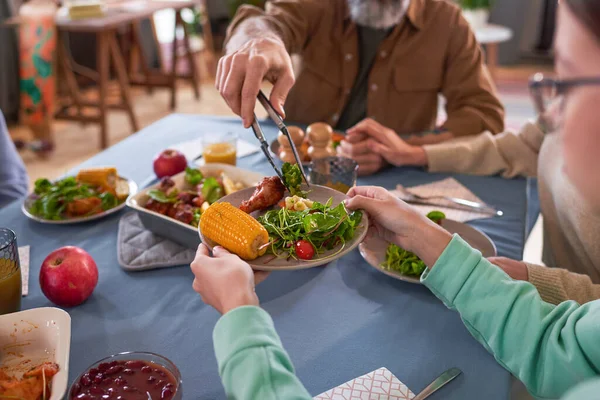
(285, 153)
(319, 138)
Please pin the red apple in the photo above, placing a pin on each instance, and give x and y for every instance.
(169, 163)
(68, 276)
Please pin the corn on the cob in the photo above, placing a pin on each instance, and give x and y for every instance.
(105, 178)
(235, 230)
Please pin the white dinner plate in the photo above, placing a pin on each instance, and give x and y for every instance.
(31, 198)
(32, 337)
(374, 249)
(317, 193)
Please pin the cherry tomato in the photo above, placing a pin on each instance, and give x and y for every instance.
(304, 250)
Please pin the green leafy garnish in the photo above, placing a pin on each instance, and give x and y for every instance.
(292, 179)
(436, 216)
(52, 198)
(193, 176)
(109, 200)
(211, 190)
(162, 197)
(402, 261)
(325, 227)
(336, 144)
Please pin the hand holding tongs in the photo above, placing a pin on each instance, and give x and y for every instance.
(263, 143)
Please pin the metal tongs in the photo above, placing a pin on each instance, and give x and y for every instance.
(263, 143)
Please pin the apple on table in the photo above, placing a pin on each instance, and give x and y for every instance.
(68, 276)
(169, 162)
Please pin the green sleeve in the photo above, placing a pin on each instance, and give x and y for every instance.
(252, 361)
(550, 348)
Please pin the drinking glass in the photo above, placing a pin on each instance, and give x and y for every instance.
(338, 173)
(220, 148)
(10, 273)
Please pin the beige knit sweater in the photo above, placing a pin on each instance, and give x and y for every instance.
(571, 227)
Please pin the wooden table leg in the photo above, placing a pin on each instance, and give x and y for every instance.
(138, 57)
(191, 61)
(121, 72)
(174, 63)
(492, 58)
(64, 64)
(102, 59)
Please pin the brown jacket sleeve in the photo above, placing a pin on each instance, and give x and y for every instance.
(292, 20)
(472, 104)
(508, 153)
(556, 285)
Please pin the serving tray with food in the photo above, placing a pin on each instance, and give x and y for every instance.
(93, 193)
(284, 225)
(173, 207)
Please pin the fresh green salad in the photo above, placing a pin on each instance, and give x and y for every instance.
(407, 263)
(292, 179)
(69, 198)
(304, 234)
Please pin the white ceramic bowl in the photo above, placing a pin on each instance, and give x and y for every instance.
(29, 338)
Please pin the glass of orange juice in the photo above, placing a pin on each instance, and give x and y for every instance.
(10, 273)
(220, 148)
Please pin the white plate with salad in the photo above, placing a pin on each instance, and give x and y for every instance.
(406, 266)
(273, 229)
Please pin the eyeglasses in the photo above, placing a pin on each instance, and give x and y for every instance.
(548, 96)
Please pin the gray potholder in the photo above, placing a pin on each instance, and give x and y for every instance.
(139, 249)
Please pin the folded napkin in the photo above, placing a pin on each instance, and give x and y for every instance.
(380, 384)
(446, 187)
(24, 263)
(139, 249)
(192, 149)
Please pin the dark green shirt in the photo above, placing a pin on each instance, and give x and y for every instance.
(355, 111)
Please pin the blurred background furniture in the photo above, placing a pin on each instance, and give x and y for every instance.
(9, 69)
(491, 35)
(120, 17)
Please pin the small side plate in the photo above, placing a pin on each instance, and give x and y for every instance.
(29, 338)
(29, 200)
(373, 250)
(317, 193)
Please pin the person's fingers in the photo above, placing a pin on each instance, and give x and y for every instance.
(383, 151)
(371, 128)
(219, 251)
(359, 202)
(281, 88)
(232, 91)
(260, 276)
(366, 191)
(354, 149)
(219, 73)
(256, 70)
(225, 63)
(367, 159)
(203, 250)
(196, 286)
(355, 137)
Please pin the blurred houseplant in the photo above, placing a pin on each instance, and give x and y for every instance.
(234, 4)
(476, 12)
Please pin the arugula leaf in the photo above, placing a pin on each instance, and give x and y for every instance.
(108, 200)
(42, 186)
(292, 179)
(161, 197)
(211, 190)
(325, 227)
(405, 262)
(193, 176)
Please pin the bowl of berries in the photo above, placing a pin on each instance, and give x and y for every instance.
(131, 376)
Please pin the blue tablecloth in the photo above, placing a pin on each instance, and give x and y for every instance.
(336, 322)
